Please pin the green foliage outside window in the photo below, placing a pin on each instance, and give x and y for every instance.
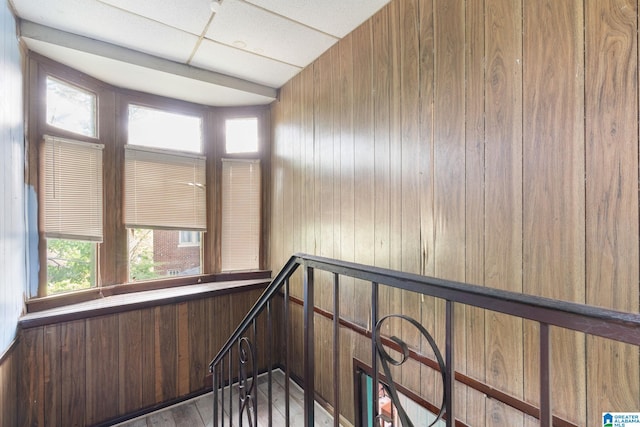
(71, 265)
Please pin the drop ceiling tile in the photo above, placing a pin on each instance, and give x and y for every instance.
(187, 15)
(97, 20)
(245, 65)
(138, 78)
(336, 17)
(253, 29)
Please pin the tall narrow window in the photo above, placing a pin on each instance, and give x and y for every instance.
(165, 194)
(240, 215)
(71, 211)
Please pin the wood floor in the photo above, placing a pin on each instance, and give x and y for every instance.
(198, 412)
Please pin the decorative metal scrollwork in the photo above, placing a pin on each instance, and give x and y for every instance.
(386, 359)
(246, 385)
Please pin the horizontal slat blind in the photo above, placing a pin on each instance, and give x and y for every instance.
(164, 190)
(72, 181)
(240, 215)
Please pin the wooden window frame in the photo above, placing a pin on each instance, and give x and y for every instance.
(112, 118)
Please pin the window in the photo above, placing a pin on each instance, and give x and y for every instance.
(72, 211)
(70, 108)
(240, 214)
(164, 193)
(189, 238)
(138, 195)
(241, 135)
(150, 127)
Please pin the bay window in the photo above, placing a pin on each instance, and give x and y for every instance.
(138, 188)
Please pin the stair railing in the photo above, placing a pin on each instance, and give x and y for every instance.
(614, 325)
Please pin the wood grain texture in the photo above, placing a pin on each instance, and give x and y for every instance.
(31, 378)
(472, 360)
(102, 369)
(553, 202)
(94, 370)
(130, 361)
(527, 149)
(503, 197)
(9, 364)
(611, 80)
(73, 385)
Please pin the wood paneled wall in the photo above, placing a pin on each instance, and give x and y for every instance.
(89, 371)
(493, 142)
(8, 382)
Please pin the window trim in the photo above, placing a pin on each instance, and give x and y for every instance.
(111, 116)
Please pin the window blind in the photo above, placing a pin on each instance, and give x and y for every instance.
(164, 190)
(240, 215)
(72, 183)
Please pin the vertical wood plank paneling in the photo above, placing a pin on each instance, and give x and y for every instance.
(410, 173)
(276, 181)
(427, 81)
(553, 199)
(296, 163)
(503, 196)
(363, 173)
(449, 161)
(52, 375)
(165, 352)
(130, 361)
(102, 368)
(611, 80)
(72, 362)
(9, 387)
(184, 361)
(219, 320)
(199, 331)
(346, 173)
(472, 360)
(147, 355)
(31, 385)
(323, 120)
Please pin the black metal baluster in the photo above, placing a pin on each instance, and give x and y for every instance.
(269, 362)
(254, 368)
(230, 387)
(241, 384)
(546, 416)
(449, 361)
(287, 356)
(215, 395)
(336, 350)
(221, 393)
(309, 362)
(374, 353)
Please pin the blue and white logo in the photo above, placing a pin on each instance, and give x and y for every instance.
(621, 419)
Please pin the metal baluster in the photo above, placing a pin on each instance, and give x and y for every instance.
(215, 395)
(287, 358)
(449, 363)
(309, 362)
(222, 392)
(269, 362)
(254, 367)
(546, 416)
(241, 383)
(336, 350)
(374, 353)
(230, 387)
